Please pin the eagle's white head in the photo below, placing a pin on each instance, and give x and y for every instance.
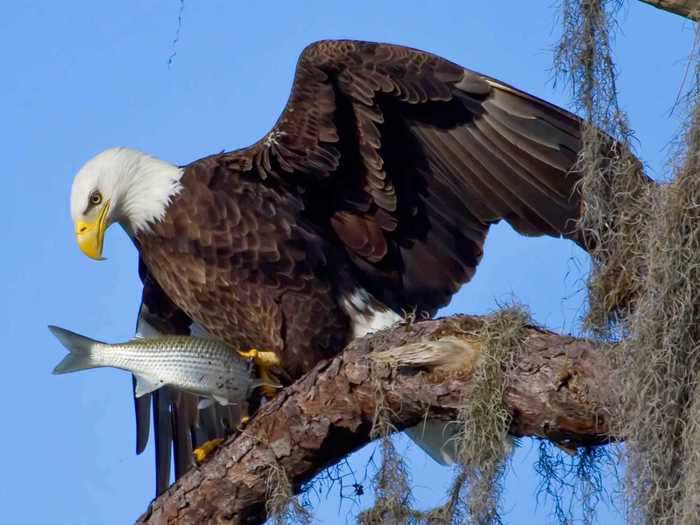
(120, 185)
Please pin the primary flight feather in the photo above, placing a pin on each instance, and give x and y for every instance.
(371, 196)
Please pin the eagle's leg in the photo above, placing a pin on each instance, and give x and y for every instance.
(201, 453)
(205, 450)
(264, 361)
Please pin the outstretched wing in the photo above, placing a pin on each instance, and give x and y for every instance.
(406, 159)
(179, 426)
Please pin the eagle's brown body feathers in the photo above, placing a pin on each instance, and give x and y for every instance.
(238, 257)
(383, 174)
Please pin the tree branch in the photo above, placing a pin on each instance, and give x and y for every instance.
(329, 412)
(687, 8)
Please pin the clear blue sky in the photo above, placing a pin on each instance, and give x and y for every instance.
(79, 77)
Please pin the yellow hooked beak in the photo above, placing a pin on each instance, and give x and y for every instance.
(91, 235)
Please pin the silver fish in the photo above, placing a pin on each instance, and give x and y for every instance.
(206, 367)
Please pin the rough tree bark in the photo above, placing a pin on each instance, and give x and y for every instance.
(687, 8)
(554, 393)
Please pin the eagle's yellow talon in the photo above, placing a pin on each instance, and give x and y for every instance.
(267, 389)
(250, 354)
(264, 361)
(203, 452)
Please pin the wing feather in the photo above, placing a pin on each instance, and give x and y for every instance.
(403, 160)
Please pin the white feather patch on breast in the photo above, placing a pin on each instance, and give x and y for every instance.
(366, 313)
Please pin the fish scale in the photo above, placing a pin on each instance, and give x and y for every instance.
(206, 367)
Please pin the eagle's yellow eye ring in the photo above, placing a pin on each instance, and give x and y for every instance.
(95, 198)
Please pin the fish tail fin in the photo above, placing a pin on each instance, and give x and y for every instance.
(81, 351)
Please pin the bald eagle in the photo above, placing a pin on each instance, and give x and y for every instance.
(371, 197)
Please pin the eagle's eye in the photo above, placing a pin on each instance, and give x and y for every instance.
(95, 198)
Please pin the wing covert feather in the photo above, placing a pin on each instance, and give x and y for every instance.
(407, 159)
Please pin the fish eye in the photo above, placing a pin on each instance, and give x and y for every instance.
(95, 198)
